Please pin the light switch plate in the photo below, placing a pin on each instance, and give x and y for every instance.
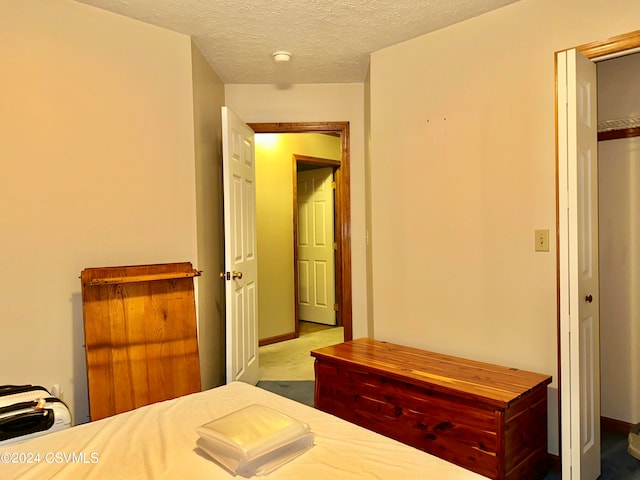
(542, 240)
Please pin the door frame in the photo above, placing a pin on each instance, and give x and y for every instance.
(598, 50)
(320, 162)
(342, 210)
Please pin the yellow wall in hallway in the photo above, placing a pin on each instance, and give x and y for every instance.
(274, 219)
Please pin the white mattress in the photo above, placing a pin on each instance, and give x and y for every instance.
(159, 442)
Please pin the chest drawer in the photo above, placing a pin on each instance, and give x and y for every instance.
(486, 418)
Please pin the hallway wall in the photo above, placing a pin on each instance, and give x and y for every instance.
(274, 223)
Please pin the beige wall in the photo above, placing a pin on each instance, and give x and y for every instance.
(208, 98)
(463, 172)
(97, 142)
(320, 103)
(274, 223)
(619, 240)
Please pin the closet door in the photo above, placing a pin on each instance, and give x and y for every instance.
(578, 262)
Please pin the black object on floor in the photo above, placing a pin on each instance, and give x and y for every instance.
(299, 390)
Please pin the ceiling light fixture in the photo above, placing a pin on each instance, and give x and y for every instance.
(281, 56)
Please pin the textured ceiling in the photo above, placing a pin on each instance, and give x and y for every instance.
(330, 40)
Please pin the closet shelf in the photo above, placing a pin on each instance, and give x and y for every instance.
(144, 278)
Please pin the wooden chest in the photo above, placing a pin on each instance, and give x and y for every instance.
(487, 418)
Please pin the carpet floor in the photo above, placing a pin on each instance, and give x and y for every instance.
(616, 464)
(300, 391)
(291, 359)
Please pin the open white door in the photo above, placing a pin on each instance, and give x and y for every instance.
(578, 259)
(316, 255)
(241, 272)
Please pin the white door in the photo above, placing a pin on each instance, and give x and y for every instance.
(241, 272)
(316, 255)
(578, 254)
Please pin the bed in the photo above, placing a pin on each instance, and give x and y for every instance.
(159, 442)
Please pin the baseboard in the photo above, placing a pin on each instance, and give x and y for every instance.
(554, 463)
(276, 339)
(614, 426)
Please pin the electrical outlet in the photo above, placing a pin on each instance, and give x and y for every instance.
(542, 240)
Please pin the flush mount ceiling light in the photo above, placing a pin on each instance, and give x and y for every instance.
(281, 56)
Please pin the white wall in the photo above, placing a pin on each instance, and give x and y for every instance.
(463, 172)
(619, 197)
(97, 142)
(320, 103)
(619, 187)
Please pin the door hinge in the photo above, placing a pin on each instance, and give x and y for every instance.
(335, 245)
(335, 307)
(333, 185)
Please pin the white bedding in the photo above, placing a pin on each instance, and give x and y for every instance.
(159, 442)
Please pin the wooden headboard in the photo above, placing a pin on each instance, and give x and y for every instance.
(140, 335)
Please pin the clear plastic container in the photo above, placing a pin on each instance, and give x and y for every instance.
(254, 440)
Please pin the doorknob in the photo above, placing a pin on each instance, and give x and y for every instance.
(231, 275)
(589, 298)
